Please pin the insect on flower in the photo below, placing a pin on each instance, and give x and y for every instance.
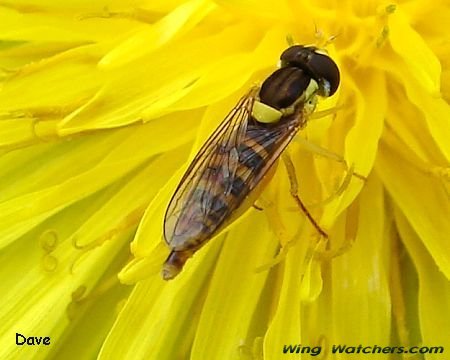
(242, 150)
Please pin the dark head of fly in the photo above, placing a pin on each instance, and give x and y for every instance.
(304, 73)
(316, 64)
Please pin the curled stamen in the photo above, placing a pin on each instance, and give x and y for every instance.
(104, 14)
(258, 348)
(120, 305)
(78, 299)
(284, 249)
(136, 14)
(48, 240)
(384, 15)
(323, 343)
(441, 172)
(244, 351)
(85, 247)
(49, 263)
(81, 298)
(397, 290)
(47, 138)
(130, 220)
(390, 9)
(77, 260)
(78, 294)
(104, 286)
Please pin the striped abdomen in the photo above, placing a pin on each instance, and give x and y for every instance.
(222, 188)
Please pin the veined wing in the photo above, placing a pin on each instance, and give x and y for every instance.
(228, 166)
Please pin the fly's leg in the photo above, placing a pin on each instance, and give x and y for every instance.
(338, 192)
(322, 113)
(351, 232)
(275, 223)
(325, 153)
(294, 192)
(318, 150)
(257, 207)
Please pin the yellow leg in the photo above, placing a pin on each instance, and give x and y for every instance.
(294, 192)
(276, 224)
(286, 242)
(318, 150)
(344, 184)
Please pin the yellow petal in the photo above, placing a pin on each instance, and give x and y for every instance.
(40, 194)
(39, 25)
(436, 111)
(54, 86)
(361, 143)
(235, 288)
(124, 210)
(422, 199)
(434, 313)
(161, 315)
(285, 326)
(154, 36)
(420, 60)
(36, 296)
(145, 88)
(361, 307)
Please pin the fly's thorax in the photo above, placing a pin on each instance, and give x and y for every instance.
(284, 87)
(287, 91)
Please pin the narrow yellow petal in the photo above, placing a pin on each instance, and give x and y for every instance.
(160, 314)
(40, 275)
(87, 176)
(235, 288)
(434, 311)
(423, 200)
(149, 234)
(52, 87)
(124, 210)
(143, 89)
(361, 143)
(229, 74)
(42, 26)
(361, 307)
(437, 112)
(285, 326)
(154, 36)
(420, 60)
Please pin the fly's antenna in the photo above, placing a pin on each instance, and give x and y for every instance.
(290, 39)
(322, 40)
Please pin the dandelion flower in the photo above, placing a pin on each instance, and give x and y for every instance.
(102, 104)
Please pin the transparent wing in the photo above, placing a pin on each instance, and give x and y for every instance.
(228, 166)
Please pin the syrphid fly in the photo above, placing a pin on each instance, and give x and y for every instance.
(241, 151)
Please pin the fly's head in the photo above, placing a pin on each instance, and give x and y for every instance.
(316, 64)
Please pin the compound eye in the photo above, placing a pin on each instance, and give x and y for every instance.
(319, 66)
(295, 55)
(325, 71)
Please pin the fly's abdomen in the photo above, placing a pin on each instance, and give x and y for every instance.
(198, 219)
(219, 192)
